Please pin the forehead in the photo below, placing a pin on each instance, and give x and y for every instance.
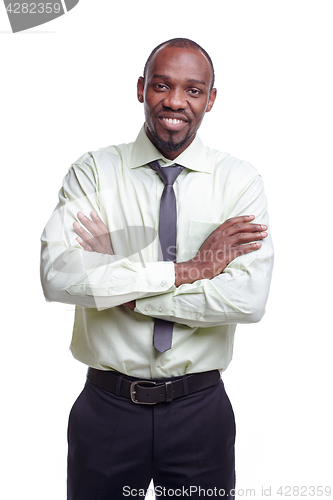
(183, 63)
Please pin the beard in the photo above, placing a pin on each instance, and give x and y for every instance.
(170, 145)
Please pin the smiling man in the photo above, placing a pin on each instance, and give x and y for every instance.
(175, 103)
(162, 245)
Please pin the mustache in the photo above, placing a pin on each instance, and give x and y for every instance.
(170, 113)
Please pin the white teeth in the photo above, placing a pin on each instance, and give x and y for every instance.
(174, 121)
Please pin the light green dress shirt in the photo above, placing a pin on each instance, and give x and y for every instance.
(118, 184)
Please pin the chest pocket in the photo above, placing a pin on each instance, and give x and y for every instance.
(197, 234)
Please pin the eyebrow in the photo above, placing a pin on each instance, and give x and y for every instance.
(193, 80)
(165, 77)
(190, 80)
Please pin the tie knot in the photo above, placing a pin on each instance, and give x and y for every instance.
(167, 174)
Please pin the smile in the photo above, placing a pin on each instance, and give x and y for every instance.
(174, 121)
(173, 124)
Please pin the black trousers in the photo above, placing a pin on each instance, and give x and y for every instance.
(115, 447)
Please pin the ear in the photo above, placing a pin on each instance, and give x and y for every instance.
(212, 97)
(140, 88)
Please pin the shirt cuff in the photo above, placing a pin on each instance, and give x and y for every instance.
(130, 278)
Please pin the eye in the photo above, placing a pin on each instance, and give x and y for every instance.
(160, 87)
(194, 92)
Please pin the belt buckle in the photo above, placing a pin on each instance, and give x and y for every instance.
(133, 391)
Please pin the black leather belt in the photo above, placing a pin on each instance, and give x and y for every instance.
(152, 391)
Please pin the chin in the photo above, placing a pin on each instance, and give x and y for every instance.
(170, 145)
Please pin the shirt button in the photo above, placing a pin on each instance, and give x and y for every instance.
(146, 307)
(199, 315)
(163, 283)
(160, 308)
(148, 284)
(110, 289)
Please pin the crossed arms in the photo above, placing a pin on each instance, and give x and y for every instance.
(227, 281)
(235, 237)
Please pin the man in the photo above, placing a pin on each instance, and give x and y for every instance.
(161, 272)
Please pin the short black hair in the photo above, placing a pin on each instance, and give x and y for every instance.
(185, 43)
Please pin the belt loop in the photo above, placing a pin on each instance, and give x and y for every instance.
(118, 386)
(168, 392)
(185, 386)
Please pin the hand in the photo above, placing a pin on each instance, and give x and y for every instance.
(98, 238)
(130, 305)
(233, 238)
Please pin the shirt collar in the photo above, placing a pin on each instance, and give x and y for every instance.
(195, 157)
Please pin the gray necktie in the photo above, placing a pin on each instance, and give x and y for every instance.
(168, 237)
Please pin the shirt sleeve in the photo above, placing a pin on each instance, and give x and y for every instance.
(240, 292)
(71, 275)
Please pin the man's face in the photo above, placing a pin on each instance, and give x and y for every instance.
(176, 94)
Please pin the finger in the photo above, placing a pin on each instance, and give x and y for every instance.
(83, 244)
(246, 228)
(86, 237)
(233, 224)
(89, 224)
(104, 231)
(237, 220)
(98, 220)
(95, 227)
(81, 231)
(241, 238)
(243, 228)
(99, 223)
(98, 237)
(244, 249)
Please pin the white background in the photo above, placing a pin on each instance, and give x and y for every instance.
(70, 86)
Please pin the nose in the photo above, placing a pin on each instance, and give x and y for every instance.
(175, 99)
